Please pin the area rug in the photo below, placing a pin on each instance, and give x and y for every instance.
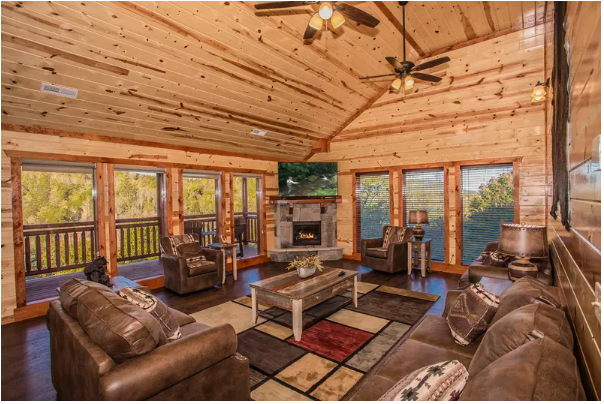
(340, 343)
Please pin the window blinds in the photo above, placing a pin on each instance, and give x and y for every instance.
(372, 205)
(425, 190)
(487, 198)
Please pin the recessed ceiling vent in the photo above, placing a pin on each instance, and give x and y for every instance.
(258, 132)
(58, 90)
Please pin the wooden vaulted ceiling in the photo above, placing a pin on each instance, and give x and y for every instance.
(202, 75)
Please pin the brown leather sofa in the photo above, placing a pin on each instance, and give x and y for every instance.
(182, 277)
(391, 259)
(502, 364)
(203, 364)
(484, 266)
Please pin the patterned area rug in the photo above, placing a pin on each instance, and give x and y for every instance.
(340, 343)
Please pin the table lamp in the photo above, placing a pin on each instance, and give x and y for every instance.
(418, 217)
(523, 242)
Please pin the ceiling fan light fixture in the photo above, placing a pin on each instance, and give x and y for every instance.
(396, 85)
(337, 19)
(325, 10)
(409, 82)
(316, 22)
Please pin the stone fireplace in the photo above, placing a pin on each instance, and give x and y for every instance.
(305, 228)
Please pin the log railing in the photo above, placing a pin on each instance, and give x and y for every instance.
(137, 238)
(57, 247)
(203, 225)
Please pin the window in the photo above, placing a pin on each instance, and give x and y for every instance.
(201, 204)
(487, 199)
(372, 205)
(246, 191)
(425, 190)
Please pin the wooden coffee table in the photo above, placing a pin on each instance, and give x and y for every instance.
(289, 292)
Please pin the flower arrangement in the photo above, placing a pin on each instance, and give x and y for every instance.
(306, 266)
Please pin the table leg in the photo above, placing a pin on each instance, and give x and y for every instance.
(234, 258)
(224, 266)
(355, 301)
(409, 258)
(430, 259)
(254, 306)
(423, 260)
(297, 318)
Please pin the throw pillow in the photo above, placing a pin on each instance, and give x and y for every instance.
(471, 313)
(155, 307)
(71, 290)
(387, 235)
(439, 382)
(189, 250)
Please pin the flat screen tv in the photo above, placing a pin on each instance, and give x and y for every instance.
(308, 179)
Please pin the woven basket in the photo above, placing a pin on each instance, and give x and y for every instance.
(306, 272)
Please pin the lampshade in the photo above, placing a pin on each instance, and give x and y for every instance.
(418, 217)
(409, 82)
(337, 19)
(520, 240)
(325, 10)
(396, 85)
(316, 22)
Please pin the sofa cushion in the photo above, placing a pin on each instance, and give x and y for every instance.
(519, 327)
(120, 328)
(378, 252)
(168, 244)
(471, 313)
(155, 307)
(442, 381)
(201, 267)
(540, 370)
(434, 330)
(526, 291)
(71, 290)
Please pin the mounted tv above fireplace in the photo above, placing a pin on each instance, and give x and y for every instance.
(308, 179)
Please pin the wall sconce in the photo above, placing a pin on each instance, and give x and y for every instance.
(540, 91)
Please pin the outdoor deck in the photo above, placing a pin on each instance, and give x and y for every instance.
(45, 288)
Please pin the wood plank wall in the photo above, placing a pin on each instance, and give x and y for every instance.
(577, 254)
(481, 110)
(82, 149)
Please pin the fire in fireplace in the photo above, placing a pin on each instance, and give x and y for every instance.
(306, 233)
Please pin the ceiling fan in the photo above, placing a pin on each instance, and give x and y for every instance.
(328, 10)
(406, 71)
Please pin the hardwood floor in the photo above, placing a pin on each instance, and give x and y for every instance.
(26, 347)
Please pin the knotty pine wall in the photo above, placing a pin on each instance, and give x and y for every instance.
(82, 149)
(480, 110)
(577, 254)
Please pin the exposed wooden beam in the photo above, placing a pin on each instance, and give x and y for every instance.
(111, 219)
(101, 209)
(181, 201)
(134, 142)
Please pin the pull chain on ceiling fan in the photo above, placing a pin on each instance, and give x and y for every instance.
(328, 11)
(406, 71)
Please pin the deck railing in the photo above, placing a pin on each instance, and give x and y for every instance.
(251, 230)
(57, 247)
(137, 238)
(203, 225)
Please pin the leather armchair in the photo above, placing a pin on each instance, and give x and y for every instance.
(182, 277)
(391, 259)
(201, 365)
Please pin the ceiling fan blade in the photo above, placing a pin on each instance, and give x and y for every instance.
(310, 32)
(379, 75)
(282, 4)
(426, 77)
(395, 63)
(357, 15)
(432, 63)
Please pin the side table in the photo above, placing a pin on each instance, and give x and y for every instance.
(417, 247)
(229, 250)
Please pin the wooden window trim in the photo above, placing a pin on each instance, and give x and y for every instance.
(356, 254)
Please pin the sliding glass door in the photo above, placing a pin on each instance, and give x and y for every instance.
(425, 190)
(372, 191)
(487, 199)
(246, 200)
